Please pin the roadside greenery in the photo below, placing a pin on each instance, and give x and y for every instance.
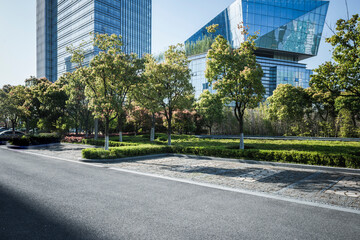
(134, 95)
(40, 139)
(167, 84)
(235, 75)
(325, 153)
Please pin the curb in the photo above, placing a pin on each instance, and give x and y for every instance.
(127, 159)
(252, 162)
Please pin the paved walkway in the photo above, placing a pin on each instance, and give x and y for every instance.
(324, 185)
(68, 151)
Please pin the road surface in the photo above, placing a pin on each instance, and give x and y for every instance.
(45, 198)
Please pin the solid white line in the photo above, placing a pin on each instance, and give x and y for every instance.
(57, 158)
(208, 185)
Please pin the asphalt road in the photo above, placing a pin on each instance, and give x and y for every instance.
(44, 198)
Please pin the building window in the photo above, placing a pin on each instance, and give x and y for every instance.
(205, 86)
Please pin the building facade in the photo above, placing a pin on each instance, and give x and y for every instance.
(62, 23)
(288, 31)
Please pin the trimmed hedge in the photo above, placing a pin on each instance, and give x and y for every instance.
(102, 143)
(310, 158)
(129, 151)
(41, 139)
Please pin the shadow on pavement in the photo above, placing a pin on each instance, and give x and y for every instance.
(21, 219)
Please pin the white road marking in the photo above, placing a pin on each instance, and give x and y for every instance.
(57, 158)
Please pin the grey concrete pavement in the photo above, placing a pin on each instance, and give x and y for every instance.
(43, 198)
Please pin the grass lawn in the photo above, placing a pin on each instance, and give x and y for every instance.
(328, 153)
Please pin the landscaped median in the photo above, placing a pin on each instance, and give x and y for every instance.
(348, 160)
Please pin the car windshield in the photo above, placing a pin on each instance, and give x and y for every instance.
(10, 132)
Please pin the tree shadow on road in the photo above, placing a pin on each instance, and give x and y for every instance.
(23, 219)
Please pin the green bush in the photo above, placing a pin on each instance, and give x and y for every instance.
(101, 142)
(41, 139)
(121, 152)
(95, 153)
(311, 158)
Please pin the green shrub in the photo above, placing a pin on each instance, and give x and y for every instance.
(336, 154)
(41, 139)
(23, 141)
(121, 152)
(102, 143)
(96, 153)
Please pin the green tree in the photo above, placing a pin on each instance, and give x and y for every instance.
(352, 105)
(12, 103)
(77, 104)
(145, 102)
(139, 117)
(52, 100)
(184, 121)
(109, 78)
(236, 76)
(346, 54)
(211, 108)
(289, 104)
(339, 78)
(324, 89)
(168, 83)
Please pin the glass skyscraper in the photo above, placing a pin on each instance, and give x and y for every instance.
(61, 23)
(289, 31)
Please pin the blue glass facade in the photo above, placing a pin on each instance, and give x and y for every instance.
(75, 20)
(46, 38)
(288, 30)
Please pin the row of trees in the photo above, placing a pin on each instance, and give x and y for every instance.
(117, 87)
(115, 82)
(329, 108)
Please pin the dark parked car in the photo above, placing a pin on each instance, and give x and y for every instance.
(8, 134)
(2, 129)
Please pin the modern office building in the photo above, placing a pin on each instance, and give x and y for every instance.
(289, 31)
(62, 23)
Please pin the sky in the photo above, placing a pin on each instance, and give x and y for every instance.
(173, 22)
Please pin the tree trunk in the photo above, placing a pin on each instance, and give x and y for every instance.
(120, 124)
(169, 132)
(353, 118)
(241, 125)
(13, 123)
(210, 130)
(152, 133)
(27, 126)
(96, 129)
(86, 124)
(107, 123)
